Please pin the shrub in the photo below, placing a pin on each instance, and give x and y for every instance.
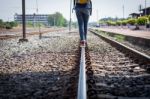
(13, 24)
(119, 38)
(124, 22)
(7, 25)
(1, 24)
(131, 21)
(110, 23)
(142, 20)
(148, 17)
(119, 23)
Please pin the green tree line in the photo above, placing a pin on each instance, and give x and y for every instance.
(143, 20)
(57, 19)
(7, 25)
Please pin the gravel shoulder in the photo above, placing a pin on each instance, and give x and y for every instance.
(38, 68)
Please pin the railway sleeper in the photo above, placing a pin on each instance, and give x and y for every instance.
(107, 96)
(136, 91)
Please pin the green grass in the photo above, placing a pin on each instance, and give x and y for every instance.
(119, 38)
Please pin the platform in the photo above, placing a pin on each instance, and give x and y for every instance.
(128, 32)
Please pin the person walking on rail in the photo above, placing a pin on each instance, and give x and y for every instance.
(83, 9)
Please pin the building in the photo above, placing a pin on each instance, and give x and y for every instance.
(143, 12)
(33, 18)
(134, 15)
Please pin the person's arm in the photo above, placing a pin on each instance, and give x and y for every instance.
(91, 8)
(74, 2)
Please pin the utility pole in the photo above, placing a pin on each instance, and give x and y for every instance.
(54, 22)
(38, 23)
(97, 17)
(146, 23)
(23, 23)
(70, 23)
(140, 8)
(145, 8)
(34, 20)
(123, 11)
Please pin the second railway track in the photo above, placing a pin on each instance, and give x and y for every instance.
(13, 36)
(114, 72)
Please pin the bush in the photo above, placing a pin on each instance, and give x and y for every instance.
(13, 24)
(1, 24)
(119, 23)
(142, 20)
(149, 17)
(148, 22)
(110, 23)
(119, 38)
(8, 25)
(124, 22)
(131, 21)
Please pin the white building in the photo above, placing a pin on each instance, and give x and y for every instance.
(34, 18)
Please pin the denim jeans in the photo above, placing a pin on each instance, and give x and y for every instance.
(83, 18)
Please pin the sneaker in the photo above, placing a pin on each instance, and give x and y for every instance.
(82, 43)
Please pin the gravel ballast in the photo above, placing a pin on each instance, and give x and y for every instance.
(40, 68)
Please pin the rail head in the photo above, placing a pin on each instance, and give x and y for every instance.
(82, 77)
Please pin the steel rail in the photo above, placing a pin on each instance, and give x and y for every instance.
(4, 37)
(82, 77)
(145, 58)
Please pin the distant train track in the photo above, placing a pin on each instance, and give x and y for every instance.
(4, 37)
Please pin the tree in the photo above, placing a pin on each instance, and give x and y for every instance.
(124, 22)
(111, 23)
(131, 21)
(13, 24)
(57, 19)
(149, 17)
(1, 23)
(142, 20)
(51, 20)
(7, 25)
(119, 23)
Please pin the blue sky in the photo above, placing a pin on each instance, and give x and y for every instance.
(105, 8)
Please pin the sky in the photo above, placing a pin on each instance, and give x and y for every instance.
(101, 8)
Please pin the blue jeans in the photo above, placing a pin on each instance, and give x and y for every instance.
(83, 18)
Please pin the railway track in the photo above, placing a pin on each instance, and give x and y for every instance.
(102, 70)
(115, 71)
(5, 37)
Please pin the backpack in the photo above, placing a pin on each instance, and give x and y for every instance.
(82, 1)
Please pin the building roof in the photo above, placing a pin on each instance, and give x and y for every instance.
(134, 14)
(148, 8)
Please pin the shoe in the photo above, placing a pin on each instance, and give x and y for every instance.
(82, 43)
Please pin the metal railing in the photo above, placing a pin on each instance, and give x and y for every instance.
(82, 77)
